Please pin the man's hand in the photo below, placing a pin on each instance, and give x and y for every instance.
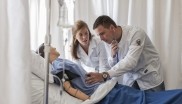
(93, 78)
(114, 48)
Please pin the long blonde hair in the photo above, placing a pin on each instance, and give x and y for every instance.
(78, 26)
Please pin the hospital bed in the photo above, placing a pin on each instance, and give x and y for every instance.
(106, 93)
(56, 94)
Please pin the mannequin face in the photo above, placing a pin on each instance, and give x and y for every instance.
(54, 53)
(83, 37)
(106, 34)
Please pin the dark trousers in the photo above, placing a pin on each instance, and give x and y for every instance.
(160, 87)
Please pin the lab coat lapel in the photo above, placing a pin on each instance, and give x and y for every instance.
(123, 46)
(92, 46)
(82, 53)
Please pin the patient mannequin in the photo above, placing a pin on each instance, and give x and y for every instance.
(66, 84)
(75, 92)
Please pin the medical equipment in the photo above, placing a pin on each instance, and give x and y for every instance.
(46, 52)
(63, 21)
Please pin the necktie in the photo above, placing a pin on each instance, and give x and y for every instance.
(117, 57)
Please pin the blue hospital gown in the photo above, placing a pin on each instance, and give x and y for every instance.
(78, 82)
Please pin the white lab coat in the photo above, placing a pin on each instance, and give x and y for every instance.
(138, 60)
(96, 60)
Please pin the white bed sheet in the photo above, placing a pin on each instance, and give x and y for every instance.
(101, 91)
(54, 93)
(56, 98)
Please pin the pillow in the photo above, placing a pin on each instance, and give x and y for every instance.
(37, 67)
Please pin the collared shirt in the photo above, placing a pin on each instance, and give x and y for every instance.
(138, 60)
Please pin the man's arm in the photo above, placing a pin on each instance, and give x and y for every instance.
(96, 77)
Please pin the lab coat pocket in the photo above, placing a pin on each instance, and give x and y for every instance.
(152, 67)
(143, 71)
(147, 70)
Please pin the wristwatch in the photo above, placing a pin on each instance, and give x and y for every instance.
(105, 75)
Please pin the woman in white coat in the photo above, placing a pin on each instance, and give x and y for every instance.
(88, 50)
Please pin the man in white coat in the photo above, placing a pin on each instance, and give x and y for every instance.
(133, 57)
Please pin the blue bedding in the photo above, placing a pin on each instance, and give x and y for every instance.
(121, 94)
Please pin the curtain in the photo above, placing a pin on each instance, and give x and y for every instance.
(37, 22)
(14, 52)
(161, 19)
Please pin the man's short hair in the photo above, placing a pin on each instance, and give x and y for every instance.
(40, 50)
(105, 21)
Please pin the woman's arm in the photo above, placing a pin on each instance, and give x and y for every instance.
(74, 92)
